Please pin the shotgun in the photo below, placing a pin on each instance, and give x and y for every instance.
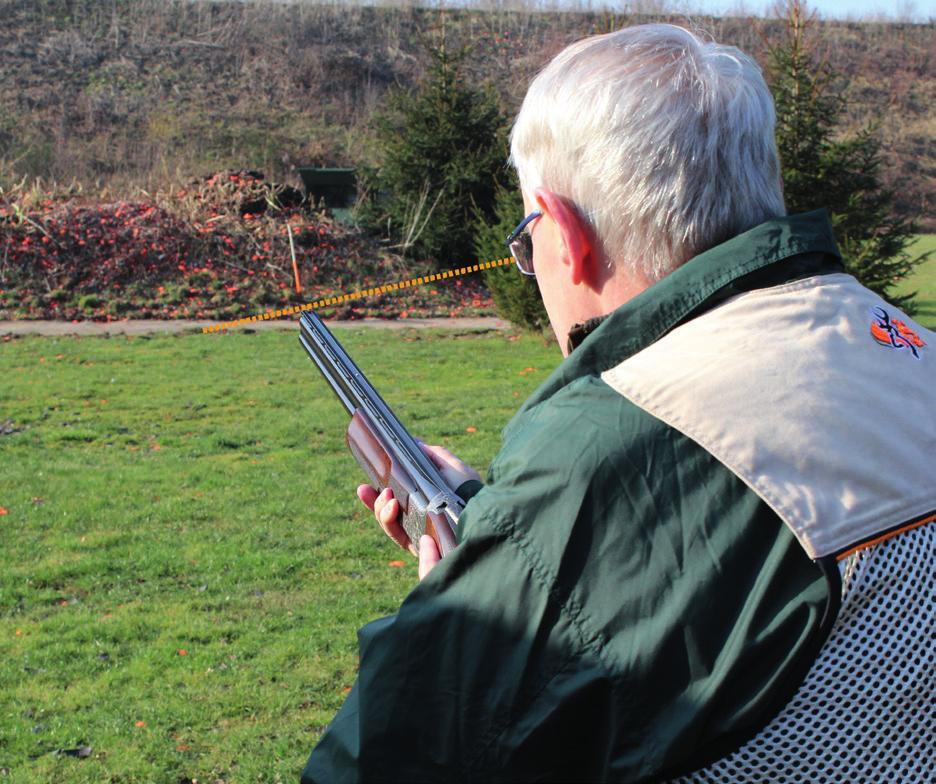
(389, 455)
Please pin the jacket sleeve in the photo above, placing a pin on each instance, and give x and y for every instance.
(473, 655)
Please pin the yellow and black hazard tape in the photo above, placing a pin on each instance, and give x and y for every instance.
(356, 295)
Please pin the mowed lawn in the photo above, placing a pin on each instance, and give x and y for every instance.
(923, 281)
(184, 561)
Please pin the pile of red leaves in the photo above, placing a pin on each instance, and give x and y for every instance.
(218, 249)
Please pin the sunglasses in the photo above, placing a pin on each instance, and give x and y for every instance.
(521, 244)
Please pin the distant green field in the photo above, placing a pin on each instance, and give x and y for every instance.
(923, 281)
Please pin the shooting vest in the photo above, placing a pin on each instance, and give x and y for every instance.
(821, 397)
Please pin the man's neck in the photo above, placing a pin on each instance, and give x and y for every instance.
(615, 291)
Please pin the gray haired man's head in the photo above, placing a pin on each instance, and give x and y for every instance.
(664, 141)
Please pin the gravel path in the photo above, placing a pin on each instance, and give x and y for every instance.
(149, 326)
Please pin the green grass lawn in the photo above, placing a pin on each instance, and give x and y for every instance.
(923, 281)
(184, 561)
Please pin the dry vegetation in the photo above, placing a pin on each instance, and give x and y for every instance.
(130, 94)
(219, 248)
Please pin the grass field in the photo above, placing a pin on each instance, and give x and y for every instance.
(923, 281)
(185, 565)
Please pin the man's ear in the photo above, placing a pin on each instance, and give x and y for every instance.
(575, 232)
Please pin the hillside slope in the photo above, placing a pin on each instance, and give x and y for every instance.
(138, 92)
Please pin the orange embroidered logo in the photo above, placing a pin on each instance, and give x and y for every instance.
(894, 333)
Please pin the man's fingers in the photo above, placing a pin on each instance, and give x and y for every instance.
(440, 456)
(368, 495)
(387, 512)
(386, 509)
(428, 555)
(453, 469)
(430, 452)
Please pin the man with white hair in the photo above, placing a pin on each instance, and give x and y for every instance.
(703, 551)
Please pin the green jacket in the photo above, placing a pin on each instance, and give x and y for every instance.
(621, 607)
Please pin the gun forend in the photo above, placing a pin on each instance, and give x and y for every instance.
(419, 514)
(386, 451)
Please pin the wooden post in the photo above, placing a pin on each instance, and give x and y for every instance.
(292, 251)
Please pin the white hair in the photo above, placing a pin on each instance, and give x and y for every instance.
(663, 141)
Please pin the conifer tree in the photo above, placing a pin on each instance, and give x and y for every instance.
(823, 169)
(516, 296)
(442, 148)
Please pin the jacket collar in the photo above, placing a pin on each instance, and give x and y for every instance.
(579, 332)
(769, 254)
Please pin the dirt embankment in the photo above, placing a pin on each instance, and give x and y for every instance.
(146, 89)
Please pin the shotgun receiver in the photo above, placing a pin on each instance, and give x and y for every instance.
(385, 450)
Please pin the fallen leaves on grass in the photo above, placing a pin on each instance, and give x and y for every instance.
(201, 253)
(396, 564)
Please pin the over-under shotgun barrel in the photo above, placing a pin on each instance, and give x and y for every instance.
(390, 456)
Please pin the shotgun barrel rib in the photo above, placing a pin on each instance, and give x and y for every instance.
(386, 451)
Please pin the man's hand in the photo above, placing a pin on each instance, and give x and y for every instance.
(387, 509)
